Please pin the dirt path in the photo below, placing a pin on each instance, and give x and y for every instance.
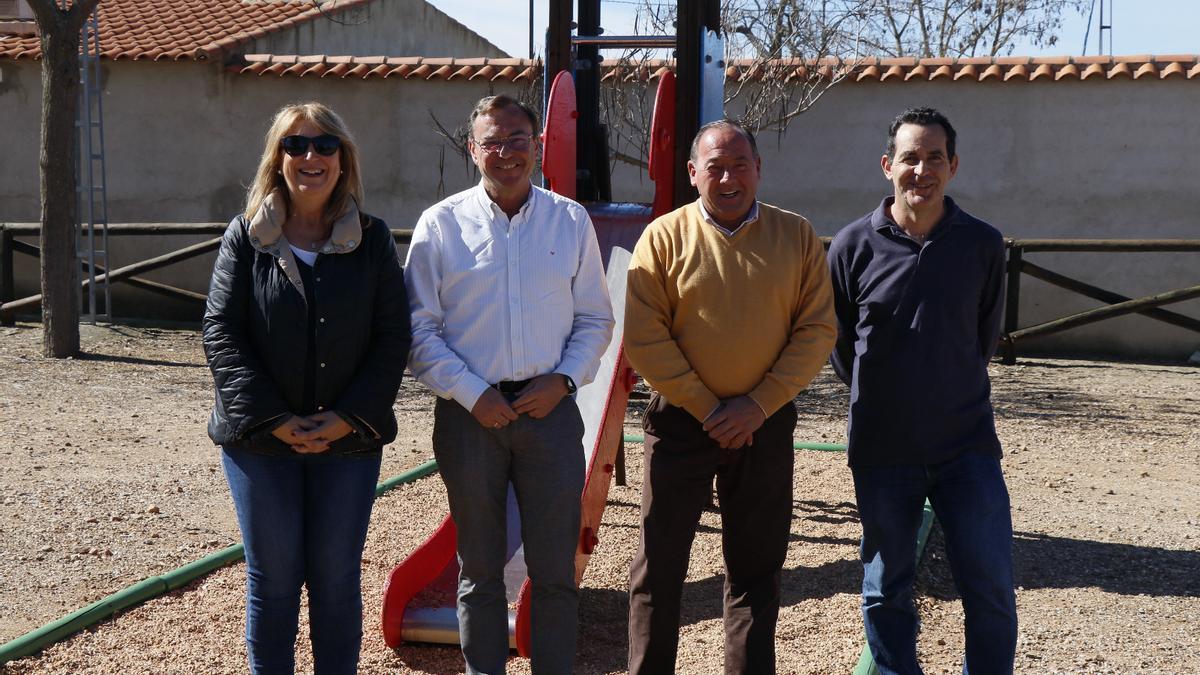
(106, 477)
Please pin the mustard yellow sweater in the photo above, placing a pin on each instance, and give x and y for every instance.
(710, 317)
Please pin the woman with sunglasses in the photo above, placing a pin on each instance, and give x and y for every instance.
(307, 335)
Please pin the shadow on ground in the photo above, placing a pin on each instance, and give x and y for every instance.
(603, 612)
(136, 361)
(1043, 561)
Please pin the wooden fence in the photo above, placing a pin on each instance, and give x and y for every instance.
(1013, 334)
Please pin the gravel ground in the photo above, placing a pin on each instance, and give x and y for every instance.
(106, 477)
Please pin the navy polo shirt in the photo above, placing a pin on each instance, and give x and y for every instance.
(917, 325)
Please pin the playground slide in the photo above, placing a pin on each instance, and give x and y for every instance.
(420, 595)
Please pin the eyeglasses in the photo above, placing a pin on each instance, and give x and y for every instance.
(514, 143)
(325, 144)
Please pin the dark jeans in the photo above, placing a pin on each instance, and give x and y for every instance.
(543, 459)
(970, 501)
(304, 522)
(754, 492)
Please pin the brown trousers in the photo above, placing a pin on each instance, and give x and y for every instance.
(754, 493)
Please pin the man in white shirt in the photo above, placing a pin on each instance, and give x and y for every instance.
(510, 314)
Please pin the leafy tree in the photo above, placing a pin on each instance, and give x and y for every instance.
(59, 24)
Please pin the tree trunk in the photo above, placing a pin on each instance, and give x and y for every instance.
(59, 30)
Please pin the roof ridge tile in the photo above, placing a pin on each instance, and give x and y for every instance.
(1173, 68)
(1069, 70)
(1017, 72)
(993, 71)
(1043, 70)
(1093, 70)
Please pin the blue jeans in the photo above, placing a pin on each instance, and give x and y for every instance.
(543, 459)
(304, 522)
(970, 501)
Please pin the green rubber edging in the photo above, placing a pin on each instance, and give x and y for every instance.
(799, 445)
(37, 639)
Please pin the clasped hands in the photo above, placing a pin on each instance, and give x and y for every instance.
(537, 399)
(312, 434)
(733, 423)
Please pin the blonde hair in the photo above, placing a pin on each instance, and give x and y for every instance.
(268, 178)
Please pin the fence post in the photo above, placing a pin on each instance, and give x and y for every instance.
(7, 287)
(1012, 303)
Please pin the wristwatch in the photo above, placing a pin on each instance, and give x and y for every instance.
(570, 384)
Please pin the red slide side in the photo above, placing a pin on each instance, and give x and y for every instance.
(413, 575)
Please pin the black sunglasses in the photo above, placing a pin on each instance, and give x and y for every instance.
(325, 144)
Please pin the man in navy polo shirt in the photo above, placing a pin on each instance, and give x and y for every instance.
(918, 295)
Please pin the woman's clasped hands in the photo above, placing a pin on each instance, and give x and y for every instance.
(314, 433)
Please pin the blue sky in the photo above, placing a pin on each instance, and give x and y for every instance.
(1139, 26)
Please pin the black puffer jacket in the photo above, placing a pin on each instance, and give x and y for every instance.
(255, 332)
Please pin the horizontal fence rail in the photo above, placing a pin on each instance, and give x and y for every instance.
(8, 246)
(403, 236)
(1115, 303)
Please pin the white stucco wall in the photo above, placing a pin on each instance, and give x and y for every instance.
(1093, 159)
(393, 27)
(1069, 159)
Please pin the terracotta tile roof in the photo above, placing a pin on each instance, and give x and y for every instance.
(183, 29)
(975, 69)
(383, 67)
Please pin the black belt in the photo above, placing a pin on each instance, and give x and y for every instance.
(511, 387)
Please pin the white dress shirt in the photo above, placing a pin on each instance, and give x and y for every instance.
(495, 300)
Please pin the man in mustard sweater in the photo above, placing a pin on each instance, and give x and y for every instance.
(729, 315)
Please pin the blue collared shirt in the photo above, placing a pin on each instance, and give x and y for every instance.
(917, 325)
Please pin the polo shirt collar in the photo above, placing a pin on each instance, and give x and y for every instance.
(882, 221)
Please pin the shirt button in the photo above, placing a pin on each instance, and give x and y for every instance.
(322, 319)
(320, 407)
(322, 365)
(318, 278)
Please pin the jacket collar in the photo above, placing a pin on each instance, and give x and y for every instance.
(266, 228)
(266, 235)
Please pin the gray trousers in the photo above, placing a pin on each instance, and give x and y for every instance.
(543, 459)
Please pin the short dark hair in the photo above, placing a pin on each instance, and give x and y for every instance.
(925, 117)
(723, 122)
(489, 104)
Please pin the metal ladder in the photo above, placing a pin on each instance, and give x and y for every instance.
(91, 196)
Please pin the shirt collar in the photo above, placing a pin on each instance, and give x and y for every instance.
(750, 218)
(266, 227)
(493, 209)
(881, 219)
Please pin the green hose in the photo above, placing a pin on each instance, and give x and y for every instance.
(406, 477)
(799, 445)
(35, 640)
